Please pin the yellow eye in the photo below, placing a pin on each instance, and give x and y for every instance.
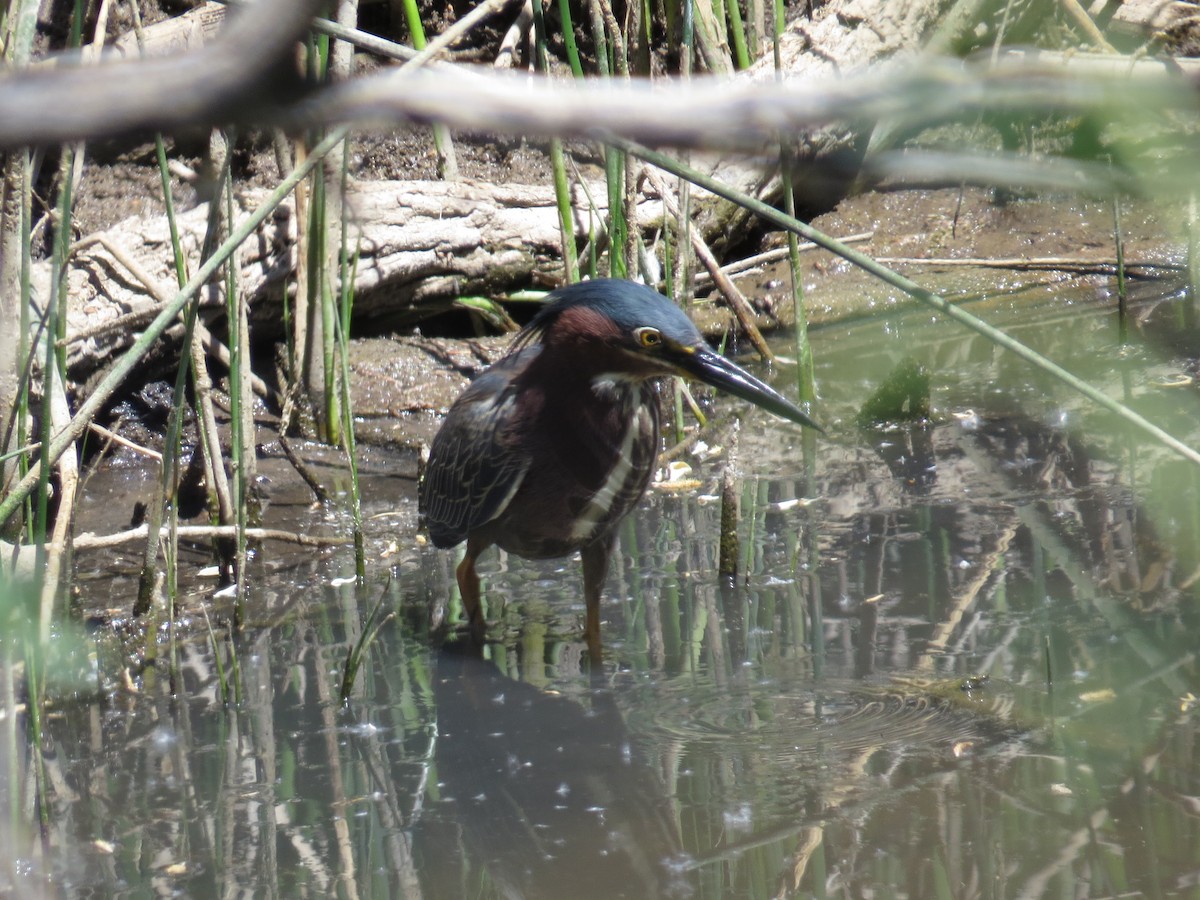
(648, 337)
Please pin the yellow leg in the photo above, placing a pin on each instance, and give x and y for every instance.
(595, 571)
(468, 587)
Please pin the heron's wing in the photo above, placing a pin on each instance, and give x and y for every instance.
(473, 472)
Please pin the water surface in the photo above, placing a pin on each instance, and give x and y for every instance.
(958, 661)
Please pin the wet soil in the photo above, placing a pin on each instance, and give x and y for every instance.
(411, 376)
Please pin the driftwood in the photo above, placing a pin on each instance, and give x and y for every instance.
(420, 245)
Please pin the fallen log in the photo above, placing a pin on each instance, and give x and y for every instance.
(420, 245)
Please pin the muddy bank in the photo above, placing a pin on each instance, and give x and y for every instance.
(1074, 242)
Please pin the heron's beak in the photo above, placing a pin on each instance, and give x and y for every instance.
(704, 365)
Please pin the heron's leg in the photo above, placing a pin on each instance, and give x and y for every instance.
(595, 571)
(468, 587)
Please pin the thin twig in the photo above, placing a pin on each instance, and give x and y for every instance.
(89, 541)
(1085, 23)
(124, 441)
(737, 301)
(1061, 263)
(305, 473)
(777, 254)
(483, 11)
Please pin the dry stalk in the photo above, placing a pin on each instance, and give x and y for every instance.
(736, 299)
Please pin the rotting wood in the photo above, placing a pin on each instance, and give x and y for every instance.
(420, 245)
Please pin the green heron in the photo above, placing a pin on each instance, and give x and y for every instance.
(548, 450)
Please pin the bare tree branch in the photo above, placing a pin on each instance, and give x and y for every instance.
(246, 71)
(739, 113)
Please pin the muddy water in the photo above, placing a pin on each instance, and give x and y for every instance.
(959, 661)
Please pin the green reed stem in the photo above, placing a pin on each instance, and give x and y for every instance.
(447, 160)
(169, 473)
(319, 293)
(354, 657)
(1122, 292)
(995, 335)
(237, 319)
(22, 26)
(172, 443)
(741, 52)
(319, 275)
(564, 13)
(8, 728)
(805, 367)
(1193, 250)
(562, 188)
(54, 328)
(26, 348)
(214, 645)
(36, 686)
(646, 35)
(618, 228)
(599, 38)
(347, 270)
(566, 211)
(614, 160)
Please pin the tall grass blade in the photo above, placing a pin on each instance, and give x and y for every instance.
(741, 52)
(347, 266)
(356, 654)
(447, 160)
(169, 472)
(562, 188)
(1193, 258)
(215, 646)
(16, 195)
(564, 12)
(805, 367)
(240, 412)
(1122, 291)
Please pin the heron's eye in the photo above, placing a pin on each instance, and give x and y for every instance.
(648, 337)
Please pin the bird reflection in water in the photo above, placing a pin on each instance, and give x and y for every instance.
(542, 793)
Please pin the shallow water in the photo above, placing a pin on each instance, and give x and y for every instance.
(964, 665)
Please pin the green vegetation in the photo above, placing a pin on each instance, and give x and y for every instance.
(1110, 131)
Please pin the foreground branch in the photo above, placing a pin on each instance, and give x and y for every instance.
(243, 73)
(719, 113)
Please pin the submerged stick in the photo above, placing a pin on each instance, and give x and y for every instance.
(90, 541)
(731, 489)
